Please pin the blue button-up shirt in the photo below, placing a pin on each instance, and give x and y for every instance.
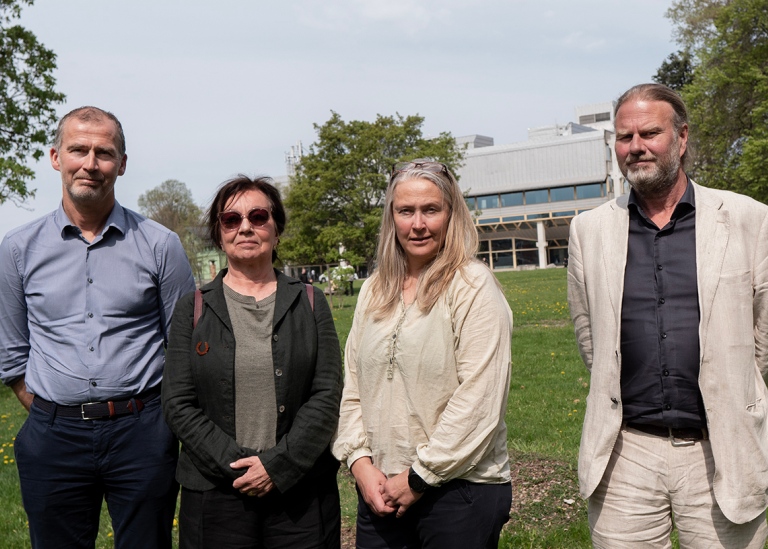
(88, 321)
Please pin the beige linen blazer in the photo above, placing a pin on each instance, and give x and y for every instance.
(732, 273)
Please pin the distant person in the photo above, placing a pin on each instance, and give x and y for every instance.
(668, 289)
(427, 375)
(252, 389)
(303, 276)
(86, 296)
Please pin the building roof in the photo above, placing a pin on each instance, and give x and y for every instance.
(534, 164)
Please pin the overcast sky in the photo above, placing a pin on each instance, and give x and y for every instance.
(205, 90)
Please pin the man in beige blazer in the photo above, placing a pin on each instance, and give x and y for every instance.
(668, 290)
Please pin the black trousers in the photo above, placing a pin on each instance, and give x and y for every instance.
(459, 514)
(307, 516)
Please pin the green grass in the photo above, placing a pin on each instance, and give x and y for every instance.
(546, 409)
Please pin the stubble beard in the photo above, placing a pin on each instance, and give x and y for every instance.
(85, 195)
(659, 180)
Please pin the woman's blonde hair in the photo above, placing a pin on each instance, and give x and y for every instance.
(459, 245)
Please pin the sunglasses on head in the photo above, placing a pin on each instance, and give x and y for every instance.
(432, 167)
(231, 221)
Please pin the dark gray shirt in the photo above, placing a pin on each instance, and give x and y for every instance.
(660, 320)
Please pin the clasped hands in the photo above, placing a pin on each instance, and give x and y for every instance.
(383, 496)
(255, 481)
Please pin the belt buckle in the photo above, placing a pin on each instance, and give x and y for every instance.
(676, 442)
(82, 410)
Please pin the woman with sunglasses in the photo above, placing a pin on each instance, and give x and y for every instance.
(427, 367)
(251, 387)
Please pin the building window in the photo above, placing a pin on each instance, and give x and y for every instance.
(564, 214)
(525, 244)
(538, 216)
(559, 194)
(536, 197)
(488, 201)
(501, 244)
(488, 221)
(602, 116)
(512, 199)
(511, 218)
(483, 247)
(594, 190)
(470, 200)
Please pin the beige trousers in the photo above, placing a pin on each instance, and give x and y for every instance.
(649, 483)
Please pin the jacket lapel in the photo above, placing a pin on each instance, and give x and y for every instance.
(288, 290)
(615, 235)
(712, 231)
(213, 296)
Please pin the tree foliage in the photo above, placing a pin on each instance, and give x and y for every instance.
(727, 41)
(171, 204)
(27, 99)
(336, 196)
(676, 72)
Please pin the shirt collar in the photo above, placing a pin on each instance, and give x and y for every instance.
(687, 201)
(116, 219)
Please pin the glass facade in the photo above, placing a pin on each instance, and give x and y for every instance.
(537, 197)
(594, 190)
(511, 199)
(559, 194)
(488, 201)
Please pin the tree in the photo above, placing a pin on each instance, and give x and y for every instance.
(676, 72)
(171, 204)
(727, 41)
(336, 196)
(27, 99)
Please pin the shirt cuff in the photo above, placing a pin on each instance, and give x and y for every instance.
(428, 476)
(357, 454)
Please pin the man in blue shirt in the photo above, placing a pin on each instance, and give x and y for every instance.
(86, 296)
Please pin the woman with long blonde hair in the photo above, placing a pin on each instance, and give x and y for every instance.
(427, 374)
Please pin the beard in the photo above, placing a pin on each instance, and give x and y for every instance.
(657, 180)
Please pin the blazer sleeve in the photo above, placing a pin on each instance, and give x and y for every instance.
(760, 300)
(578, 300)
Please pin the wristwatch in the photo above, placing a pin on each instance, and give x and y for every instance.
(416, 483)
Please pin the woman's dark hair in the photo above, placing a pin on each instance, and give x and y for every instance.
(236, 186)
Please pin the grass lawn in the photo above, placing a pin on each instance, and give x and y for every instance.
(546, 405)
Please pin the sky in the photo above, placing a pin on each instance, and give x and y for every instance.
(208, 90)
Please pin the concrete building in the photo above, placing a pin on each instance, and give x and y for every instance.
(524, 195)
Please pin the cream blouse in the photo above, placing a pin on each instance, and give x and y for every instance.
(430, 390)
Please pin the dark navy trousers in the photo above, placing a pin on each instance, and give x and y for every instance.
(67, 466)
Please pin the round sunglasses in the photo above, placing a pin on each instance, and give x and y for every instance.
(230, 221)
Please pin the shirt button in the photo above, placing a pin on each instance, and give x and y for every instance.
(281, 409)
(93, 383)
(667, 406)
(90, 280)
(661, 301)
(90, 315)
(90, 348)
(278, 372)
(659, 267)
(666, 372)
(663, 336)
(274, 337)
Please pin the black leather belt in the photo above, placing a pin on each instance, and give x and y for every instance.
(99, 410)
(669, 432)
